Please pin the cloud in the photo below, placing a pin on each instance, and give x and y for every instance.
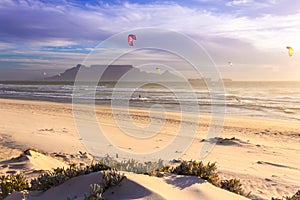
(239, 2)
(4, 46)
(65, 32)
(34, 21)
(24, 60)
(69, 24)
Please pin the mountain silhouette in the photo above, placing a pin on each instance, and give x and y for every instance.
(111, 73)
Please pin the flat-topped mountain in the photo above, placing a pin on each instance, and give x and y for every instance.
(111, 73)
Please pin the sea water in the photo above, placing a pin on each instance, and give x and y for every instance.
(274, 100)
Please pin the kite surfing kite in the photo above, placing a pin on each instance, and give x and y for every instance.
(158, 70)
(131, 37)
(291, 51)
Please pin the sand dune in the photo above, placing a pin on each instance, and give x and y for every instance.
(30, 161)
(134, 186)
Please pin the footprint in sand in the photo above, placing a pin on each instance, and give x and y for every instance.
(275, 165)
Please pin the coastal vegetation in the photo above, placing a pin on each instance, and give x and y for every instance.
(111, 176)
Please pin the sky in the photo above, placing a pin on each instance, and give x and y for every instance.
(38, 36)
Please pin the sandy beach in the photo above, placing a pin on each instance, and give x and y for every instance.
(263, 154)
(149, 100)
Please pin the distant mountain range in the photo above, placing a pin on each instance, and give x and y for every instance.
(111, 73)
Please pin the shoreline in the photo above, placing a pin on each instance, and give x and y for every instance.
(262, 153)
(140, 108)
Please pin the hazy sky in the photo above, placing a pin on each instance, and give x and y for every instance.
(51, 36)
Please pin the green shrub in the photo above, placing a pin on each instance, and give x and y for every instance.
(131, 165)
(48, 180)
(110, 178)
(296, 196)
(10, 183)
(96, 192)
(207, 172)
(60, 175)
(233, 185)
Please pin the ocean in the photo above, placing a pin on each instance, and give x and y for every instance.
(273, 100)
